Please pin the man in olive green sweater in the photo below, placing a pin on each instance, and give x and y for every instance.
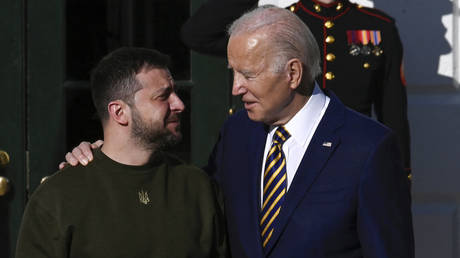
(133, 200)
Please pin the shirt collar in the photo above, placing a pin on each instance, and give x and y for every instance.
(301, 124)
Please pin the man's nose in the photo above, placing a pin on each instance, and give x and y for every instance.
(176, 103)
(238, 85)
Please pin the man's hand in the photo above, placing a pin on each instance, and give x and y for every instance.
(81, 154)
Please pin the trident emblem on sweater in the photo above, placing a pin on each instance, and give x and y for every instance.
(144, 197)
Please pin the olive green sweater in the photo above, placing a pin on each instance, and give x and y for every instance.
(107, 209)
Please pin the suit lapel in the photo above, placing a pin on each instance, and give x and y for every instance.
(325, 140)
(255, 155)
(256, 145)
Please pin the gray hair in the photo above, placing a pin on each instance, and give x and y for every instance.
(290, 37)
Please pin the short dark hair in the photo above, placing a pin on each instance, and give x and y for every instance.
(114, 78)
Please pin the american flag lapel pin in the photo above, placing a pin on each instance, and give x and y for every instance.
(327, 144)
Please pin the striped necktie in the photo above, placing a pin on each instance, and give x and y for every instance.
(275, 184)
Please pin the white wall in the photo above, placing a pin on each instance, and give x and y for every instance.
(430, 36)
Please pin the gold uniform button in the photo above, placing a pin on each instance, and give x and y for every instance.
(329, 75)
(339, 6)
(317, 8)
(409, 177)
(329, 24)
(292, 8)
(360, 6)
(366, 65)
(330, 57)
(330, 39)
(230, 111)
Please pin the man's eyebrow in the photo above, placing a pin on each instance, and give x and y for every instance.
(239, 71)
(162, 90)
(246, 72)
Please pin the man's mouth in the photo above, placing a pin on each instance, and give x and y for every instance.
(248, 104)
(174, 119)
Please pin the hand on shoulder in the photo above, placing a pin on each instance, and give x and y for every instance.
(82, 154)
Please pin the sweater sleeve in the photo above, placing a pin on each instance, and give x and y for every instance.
(39, 234)
(221, 239)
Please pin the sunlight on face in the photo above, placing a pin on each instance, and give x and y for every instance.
(265, 94)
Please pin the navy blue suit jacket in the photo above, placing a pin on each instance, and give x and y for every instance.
(349, 198)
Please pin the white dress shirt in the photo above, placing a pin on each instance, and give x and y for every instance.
(302, 126)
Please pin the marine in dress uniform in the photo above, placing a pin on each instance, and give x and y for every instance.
(360, 47)
(361, 61)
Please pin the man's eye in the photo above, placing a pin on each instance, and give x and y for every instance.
(163, 97)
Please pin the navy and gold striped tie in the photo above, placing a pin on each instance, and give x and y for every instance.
(275, 184)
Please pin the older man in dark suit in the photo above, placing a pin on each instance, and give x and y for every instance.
(302, 175)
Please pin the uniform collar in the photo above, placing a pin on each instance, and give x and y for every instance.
(317, 8)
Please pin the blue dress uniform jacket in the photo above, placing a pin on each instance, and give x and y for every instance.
(364, 78)
(349, 197)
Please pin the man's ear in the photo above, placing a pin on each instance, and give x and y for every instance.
(295, 72)
(119, 112)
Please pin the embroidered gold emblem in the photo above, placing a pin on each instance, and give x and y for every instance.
(144, 197)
